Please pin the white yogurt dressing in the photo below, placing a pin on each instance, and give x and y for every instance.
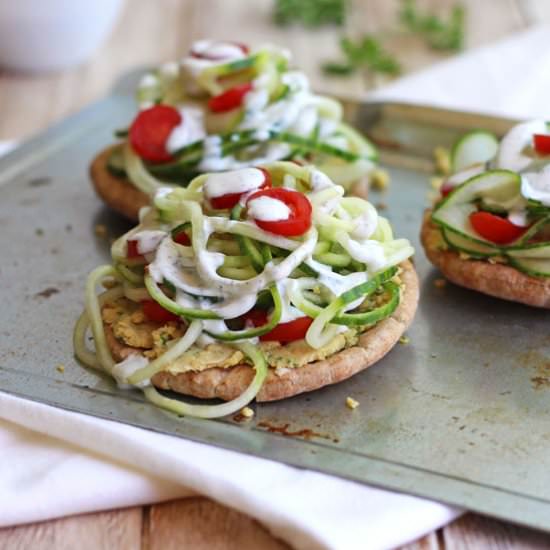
(519, 217)
(148, 240)
(268, 209)
(219, 52)
(289, 312)
(369, 252)
(511, 153)
(190, 129)
(123, 370)
(536, 186)
(236, 181)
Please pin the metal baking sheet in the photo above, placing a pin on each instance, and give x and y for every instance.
(460, 414)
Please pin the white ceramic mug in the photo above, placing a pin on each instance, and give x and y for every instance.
(46, 35)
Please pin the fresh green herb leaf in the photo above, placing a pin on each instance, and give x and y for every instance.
(367, 52)
(438, 33)
(310, 13)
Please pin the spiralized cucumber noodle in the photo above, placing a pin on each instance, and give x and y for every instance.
(340, 272)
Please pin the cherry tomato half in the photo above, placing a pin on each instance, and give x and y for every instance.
(182, 238)
(283, 332)
(541, 143)
(494, 228)
(132, 249)
(218, 56)
(230, 99)
(150, 131)
(446, 189)
(231, 199)
(155, 312)
(299, 220)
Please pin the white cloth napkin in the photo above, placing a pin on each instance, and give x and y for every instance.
(510, 78)
(56, 463)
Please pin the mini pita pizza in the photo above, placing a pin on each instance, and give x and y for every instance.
(258, 283)
(490, 229)
(226, 107)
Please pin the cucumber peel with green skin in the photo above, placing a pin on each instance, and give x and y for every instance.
(536, 267)
(475, 147)
(272, 322)
(188, 158)
(454, 211)
(493, 188)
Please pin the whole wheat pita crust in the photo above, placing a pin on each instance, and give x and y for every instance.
(373, 344)
(118, 193)
(501, 281)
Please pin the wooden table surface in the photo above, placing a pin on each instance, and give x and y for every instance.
(151, 32)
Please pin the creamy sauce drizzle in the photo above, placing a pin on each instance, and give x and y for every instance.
(236, 181)
(190, 129)
(268, 209)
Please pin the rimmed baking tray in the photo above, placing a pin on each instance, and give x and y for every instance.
(460, 414)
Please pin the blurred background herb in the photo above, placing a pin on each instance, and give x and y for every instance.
(439, 34)
(310, 13)
(367, 52)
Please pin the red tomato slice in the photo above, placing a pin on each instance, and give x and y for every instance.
(150, 131)
(494, 228)
(132, 249)
(213, 57)
(231, 199)
(283, 332)
(182, 238)
(541, 142)
(299, 220)
(288, 332)
(155, 312)
(446, 188)
(230, 99)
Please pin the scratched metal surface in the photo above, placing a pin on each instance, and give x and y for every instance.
(460, 414)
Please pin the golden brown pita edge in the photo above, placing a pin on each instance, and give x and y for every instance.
(118, 193)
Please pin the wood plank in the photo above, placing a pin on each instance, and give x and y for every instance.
(473, 531)
(120, 529)
(201, 524)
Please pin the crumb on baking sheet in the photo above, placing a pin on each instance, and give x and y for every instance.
(60, 368)
(404, 340)
(440, 283)
(351, 403)
(379, 179)
(442, 160)
(100, 230)
(247, 412)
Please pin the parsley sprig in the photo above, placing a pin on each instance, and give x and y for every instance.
(367, 52)
(310, 13)
(439, 34)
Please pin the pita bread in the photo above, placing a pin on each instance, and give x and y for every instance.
(499, 280)
(229, 383)
(118, 193)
